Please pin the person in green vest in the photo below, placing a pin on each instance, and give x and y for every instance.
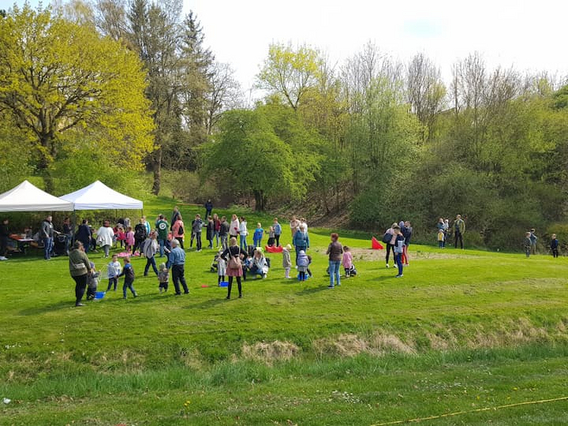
(162, 227)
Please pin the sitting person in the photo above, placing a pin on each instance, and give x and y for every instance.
(259, 264)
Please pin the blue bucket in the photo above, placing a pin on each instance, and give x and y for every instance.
(100, 295)
(223, 284)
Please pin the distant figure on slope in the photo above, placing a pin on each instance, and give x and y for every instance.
(459, 230)
(554, 246)
(527, 244)
(335, 252)
(534, 240)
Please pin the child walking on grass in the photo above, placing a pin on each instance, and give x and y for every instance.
(347, 262)
(303, 264)
(114, 271)
(128, 273)
(163, 278)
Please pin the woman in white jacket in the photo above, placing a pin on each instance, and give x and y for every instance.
(105, 236)
(243, 232)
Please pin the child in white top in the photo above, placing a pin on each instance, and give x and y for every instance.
(114, 270)
(221, 269)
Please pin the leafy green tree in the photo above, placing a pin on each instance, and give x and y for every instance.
(290, 72)
(257, 158)
(56, 75)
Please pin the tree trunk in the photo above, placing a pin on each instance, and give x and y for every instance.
(157, 170)
(260, 201)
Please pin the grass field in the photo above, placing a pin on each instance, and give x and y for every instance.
(476, 334)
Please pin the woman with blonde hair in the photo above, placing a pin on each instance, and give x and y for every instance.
(234, 257)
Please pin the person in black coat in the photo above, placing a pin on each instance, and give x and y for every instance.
(84, 234)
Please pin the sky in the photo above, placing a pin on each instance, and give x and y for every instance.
(526, 34)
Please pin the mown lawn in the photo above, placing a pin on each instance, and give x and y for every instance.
(460, 332)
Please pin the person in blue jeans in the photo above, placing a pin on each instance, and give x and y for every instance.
(335, 252)
(398, 249)
(47, 237)
(128, 273)
(257, 236)
(301, 241)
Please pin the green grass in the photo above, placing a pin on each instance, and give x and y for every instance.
(462, 330)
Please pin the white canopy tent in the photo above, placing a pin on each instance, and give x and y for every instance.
(98, 196)
(28, 198)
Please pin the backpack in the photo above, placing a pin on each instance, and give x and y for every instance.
(387, 237)
(180, 230)
(235, 262)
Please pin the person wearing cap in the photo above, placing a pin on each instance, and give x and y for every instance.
(176, 263)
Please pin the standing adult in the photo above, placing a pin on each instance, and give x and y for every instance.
(390, 239)
(140, 233)
(46, 233)
(294, 226)
(162, 227)
(210, 231)
(84, 234)
(79, 268)
(68, 233)
(534, 240)
(233, 255)
(208, 208)
(334, 250)
(301, 241)
(407, 234)
(459, 230)
(105, 236)
(176, 262)
(277, 231)
(217, 228)
(224, 233)
(243, 232)
(4, 235)
(149, 248)
(196, 229)
(178, 230)
(175, 217)
(234, 227)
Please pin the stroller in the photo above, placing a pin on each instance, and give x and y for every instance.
(59, 245)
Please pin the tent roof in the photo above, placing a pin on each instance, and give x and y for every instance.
(28, 198)
(98, 196)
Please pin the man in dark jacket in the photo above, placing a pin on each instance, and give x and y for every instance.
(4, 235)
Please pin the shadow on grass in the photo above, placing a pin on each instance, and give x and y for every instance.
(384, 278)
(311, 290)
(42, 309)
(210, 303)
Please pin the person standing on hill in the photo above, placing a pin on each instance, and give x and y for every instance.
(46, 233)
(84, 235)
(176, 263)
(294, 225)
(459, 230)
(140, 234)
(334, 250)
(301, 241)
(105, 236)
(208, 208)
(224, 233)
(178, 230)
(389, 239)
(234, 257)
(79, 268)
(277, 231)
(217, 228)
(234, 227)
(149, 248)
(534, 240)
(243, 232)
(196, 228)
(407, 234)
(554, 245)
(175, 217)
(162, 227)
(210, 231)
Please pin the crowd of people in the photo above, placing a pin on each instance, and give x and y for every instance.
(236, 256)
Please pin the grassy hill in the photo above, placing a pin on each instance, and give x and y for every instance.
(469, 332)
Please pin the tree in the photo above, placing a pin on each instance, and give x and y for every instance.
(256, 152)
(56, 75)
(290, 72)
(225, 93)
(425, 91)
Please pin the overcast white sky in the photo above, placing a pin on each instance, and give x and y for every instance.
(527, 34)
